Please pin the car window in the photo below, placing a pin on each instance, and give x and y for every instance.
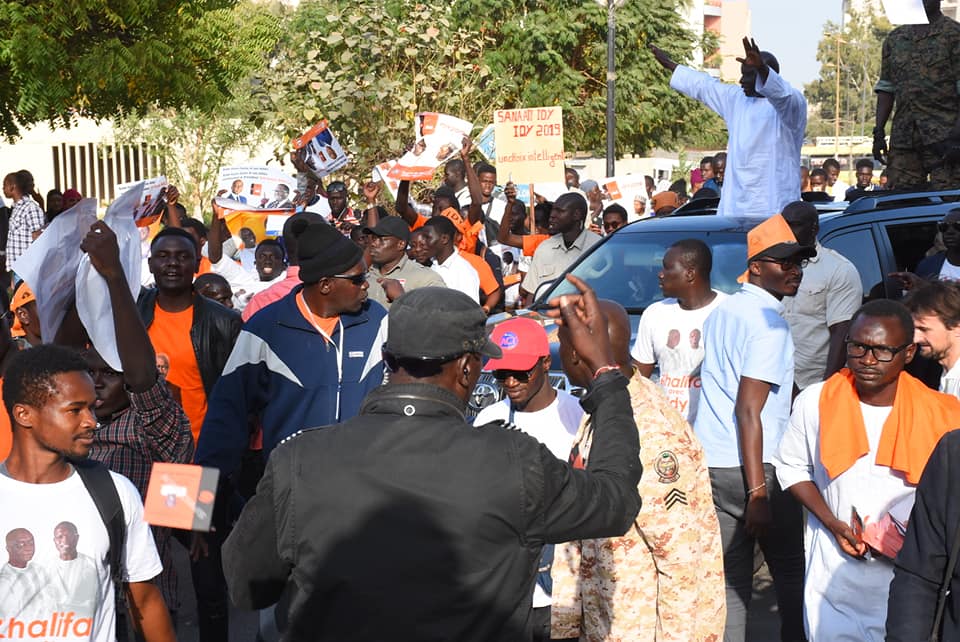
(626, 268)
(859, 247)
(911, 242)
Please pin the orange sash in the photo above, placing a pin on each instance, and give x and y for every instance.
(920, 416)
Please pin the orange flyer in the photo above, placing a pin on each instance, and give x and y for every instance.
(181, 496)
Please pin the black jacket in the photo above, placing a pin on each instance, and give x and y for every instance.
(213, 333)
(406, 523)
(922, 562)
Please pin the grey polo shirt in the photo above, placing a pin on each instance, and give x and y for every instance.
(553, 257)
(411, 275)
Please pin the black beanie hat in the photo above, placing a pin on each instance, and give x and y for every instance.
(323, 251)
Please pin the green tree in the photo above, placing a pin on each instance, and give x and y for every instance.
(368, 67)
(104, 58)
(860, 44)
(555, 54)
(193, 145)
(193, 142)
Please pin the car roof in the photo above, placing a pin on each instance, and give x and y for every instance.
(884, 205)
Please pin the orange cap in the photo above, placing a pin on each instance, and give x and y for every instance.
(21, 296)
(775, 239)
(664, 199)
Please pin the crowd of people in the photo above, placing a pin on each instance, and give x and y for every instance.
(325, 374)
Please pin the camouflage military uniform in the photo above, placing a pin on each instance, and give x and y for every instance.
(663, 580)
(921, 68)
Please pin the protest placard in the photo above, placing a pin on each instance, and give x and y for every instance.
(94, 306)
(324, 153)
(438, 139)
(486, 143)
(529, 144)
(148, 207)
(381, 173)
(181, 496)
(49, 264)
(626, 190)
(263, 222)
(256, 186)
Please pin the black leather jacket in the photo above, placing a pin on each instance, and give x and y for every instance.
(407, 523)
(213, 333)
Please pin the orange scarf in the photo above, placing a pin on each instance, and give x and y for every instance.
(920, 416)
(470, 232)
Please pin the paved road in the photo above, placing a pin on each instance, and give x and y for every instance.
(763, 624)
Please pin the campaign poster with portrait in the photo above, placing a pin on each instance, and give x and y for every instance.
(439, 137)
(324, 155)
(257, 187)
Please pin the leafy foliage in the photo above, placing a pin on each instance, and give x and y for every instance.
(103, 58)
(556, 55)
(193, 145)
(368, 67)
(861, 42)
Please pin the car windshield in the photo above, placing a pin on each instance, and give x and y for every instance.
(625, 268)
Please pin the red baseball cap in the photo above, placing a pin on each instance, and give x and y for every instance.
(522, 340)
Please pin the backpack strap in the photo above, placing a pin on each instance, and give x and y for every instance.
(96, 477)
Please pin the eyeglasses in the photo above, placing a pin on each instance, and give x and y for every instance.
(522, 376)
(786, 264)
(356, 279)
(880, 353)
(952, 225)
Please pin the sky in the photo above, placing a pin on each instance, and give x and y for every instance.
(791, 32)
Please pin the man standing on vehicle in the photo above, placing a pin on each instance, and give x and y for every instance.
(919, 73)
(747, 386)
(764, 111)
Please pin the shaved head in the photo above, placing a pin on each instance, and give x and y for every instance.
(618, 327)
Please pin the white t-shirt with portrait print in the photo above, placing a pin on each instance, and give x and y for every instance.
(58, 600)
(673, 338)
(949, 271)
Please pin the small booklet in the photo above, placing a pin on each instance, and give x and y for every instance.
(181, 496)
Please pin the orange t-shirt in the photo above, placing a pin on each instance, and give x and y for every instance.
(488, 282)
(469, 231)
(327, 324)
(205, 266)
(170, 335)
(6, 430)
(532, 241)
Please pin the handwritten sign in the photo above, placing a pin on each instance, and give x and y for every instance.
(529, 144)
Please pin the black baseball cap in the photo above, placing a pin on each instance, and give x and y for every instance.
(435, 323)
(390, 226)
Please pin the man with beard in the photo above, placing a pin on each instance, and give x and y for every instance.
(935, 307)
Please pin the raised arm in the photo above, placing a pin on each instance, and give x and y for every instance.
(404, 209)
(473, 184)
(505, 235)
(137, 357)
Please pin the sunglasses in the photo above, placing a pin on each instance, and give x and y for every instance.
(522, 376)
(356, 279)
(953, 225)
(786, 264)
